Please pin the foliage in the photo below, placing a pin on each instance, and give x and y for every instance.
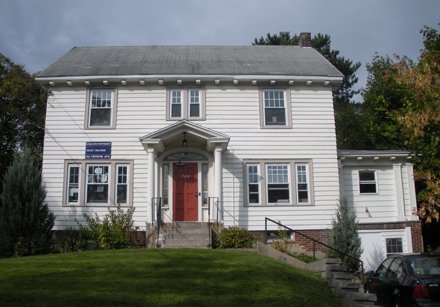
(114, 230)
(22, 113)
(25, 219)
(159, 277)
(236, 237)
(75, 239)
(402, 110)
(343, 95)
(345, 237)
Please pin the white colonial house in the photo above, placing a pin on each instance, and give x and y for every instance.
(231, 134)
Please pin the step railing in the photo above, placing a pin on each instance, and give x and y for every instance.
(315, 242)
(157, 215)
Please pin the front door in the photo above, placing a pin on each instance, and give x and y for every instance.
(185, 191)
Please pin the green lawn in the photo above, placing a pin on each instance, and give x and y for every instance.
(158, 277)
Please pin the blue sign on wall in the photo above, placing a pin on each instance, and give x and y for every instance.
(98, 150)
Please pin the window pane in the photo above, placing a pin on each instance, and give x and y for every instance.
(97, 193)
(73, 194)
(121, 196)
(367, 175)
(277, 174)
(176, 110)
(194, 110)
(303, 196)
(278, 193)
(367, 188)
(275, 116)
(100, 117)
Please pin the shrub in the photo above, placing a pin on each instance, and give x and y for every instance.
(25, 219)
(236, 237)
(73, 240)
(114, 230)
(345, 237)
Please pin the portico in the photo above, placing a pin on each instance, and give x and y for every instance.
(185, 170)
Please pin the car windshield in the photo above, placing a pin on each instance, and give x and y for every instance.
(424, 265)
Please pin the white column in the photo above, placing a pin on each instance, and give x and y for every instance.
(151, 164)
(400, 200)
(411, 186)
(218, 178)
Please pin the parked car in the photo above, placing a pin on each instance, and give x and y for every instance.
(406, 280)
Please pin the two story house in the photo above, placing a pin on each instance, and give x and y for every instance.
(226, 133)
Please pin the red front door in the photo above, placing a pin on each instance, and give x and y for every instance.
(185, 192)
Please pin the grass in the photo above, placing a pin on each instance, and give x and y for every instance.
(158, 277)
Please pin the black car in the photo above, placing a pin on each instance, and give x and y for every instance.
(406, 280)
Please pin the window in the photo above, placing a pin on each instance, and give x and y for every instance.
(176, 104)
(253, 184)
(205, 169)
(274, 108)
(97, 184)
(165, 181)
(101, 106)
(185, 104)
(194, 103)
(394, 246)
(278, 183)
(302, 183)
(278, 187)
(73, 183)
(121, 184)
(103, 183)
(367, 182)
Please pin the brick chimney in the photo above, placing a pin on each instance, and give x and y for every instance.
(305, 39)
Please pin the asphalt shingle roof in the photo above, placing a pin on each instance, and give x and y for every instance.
(191, 60)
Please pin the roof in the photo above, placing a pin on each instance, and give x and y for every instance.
(191, 60)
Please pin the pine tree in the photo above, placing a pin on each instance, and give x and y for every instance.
(345, 237)
(25, 219)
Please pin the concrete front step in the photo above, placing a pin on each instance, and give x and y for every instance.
(185, 234)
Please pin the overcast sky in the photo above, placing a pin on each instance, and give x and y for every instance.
(34, 33)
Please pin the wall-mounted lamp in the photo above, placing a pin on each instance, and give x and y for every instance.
(184, 141)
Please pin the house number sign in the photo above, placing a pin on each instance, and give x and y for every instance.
(185, 176)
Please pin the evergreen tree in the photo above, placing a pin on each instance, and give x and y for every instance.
(345, 237)
(25, 219)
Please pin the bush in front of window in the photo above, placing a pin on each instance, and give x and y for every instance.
(236, 237)
(345, 237)
(73, 240)
(25, 219)
(114, 230)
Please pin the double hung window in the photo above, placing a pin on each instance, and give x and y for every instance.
(97, 183)
(367, 182)
(275, 108)
(101, 108)
(278, 183)
(185, 104)
(302, 183)
(73, 183)
(253, 184)
(121, 184)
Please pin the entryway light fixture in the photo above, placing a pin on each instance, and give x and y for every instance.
(184, 141)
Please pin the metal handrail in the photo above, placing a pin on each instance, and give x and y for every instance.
(314, 242)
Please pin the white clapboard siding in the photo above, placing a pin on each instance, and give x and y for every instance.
(234, 111)
(383, 205)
